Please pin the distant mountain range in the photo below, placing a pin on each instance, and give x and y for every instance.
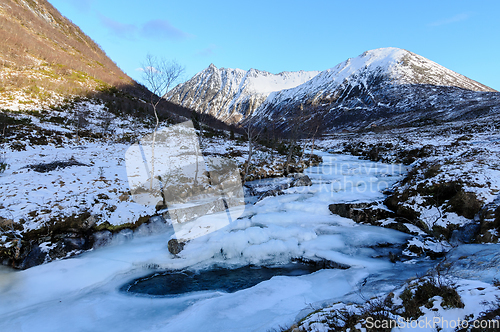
(45, 58)
(233, 94)
(386, 86)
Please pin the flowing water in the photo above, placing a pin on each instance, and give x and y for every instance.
(219, 279)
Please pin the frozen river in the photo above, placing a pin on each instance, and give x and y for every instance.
(83, 293)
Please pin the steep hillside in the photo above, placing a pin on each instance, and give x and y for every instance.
(233, 94)
(45, 57)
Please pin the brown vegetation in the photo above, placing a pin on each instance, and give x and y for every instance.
(39, 48)
(43, 55)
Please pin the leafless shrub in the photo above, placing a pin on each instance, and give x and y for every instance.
(3, 162)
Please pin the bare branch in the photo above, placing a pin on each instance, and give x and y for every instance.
(252, 132)
(159, 75)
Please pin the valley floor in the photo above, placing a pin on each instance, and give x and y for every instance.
(410, 202)
(83, 292)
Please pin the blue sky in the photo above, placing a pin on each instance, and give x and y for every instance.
(290, 35)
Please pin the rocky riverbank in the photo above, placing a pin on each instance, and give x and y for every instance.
(69, 194)
(451, 192)
(449, 203)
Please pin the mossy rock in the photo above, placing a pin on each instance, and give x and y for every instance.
(106, 226)
(465, 204)
(415, 297)
(489, 224)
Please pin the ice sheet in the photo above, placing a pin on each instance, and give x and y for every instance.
(82, 294)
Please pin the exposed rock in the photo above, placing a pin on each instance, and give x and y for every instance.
(322, 263)
(188, 212)
(489, 223)
(89, 222)
(34, 257)
(232, 94)
(175, 247)
(465, 204)
(398, 226)
(361, 212)
(297, 180)
(447, 196)
(68, 237)
(45, 168)
(300, 180)
(274, 192)
(249, 191)
(426, 246)
(27, 255)
(465, 234)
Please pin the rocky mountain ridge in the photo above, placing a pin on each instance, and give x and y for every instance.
(233, 94)
(386, 86)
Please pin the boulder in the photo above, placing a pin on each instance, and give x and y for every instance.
(322, 263)
(297, 180)
(174, 246)
(300, 180)
(361, 212)
(465, 234)
(489, 223)
(274, 192)
(35, 257)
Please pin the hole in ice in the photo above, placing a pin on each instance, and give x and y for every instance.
(221, 279)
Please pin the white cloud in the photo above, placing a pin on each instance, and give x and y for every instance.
(450, 20)
(154, 29)
(162, 29)
(206, 52)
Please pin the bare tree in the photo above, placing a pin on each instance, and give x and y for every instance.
(200, 120)
(293, 136)
(314, 126)
(106, 122)
(292, 143)
(304, 118)
(252, 132)
(312, 121)
(80, 120)
(271, 137)
(159, 75)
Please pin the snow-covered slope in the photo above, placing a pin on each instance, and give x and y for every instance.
(232, 94)
(387, 86)
(371, 70)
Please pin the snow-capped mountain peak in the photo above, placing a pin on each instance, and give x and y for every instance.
(356, 92)
(383, 65)
(231, 94)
